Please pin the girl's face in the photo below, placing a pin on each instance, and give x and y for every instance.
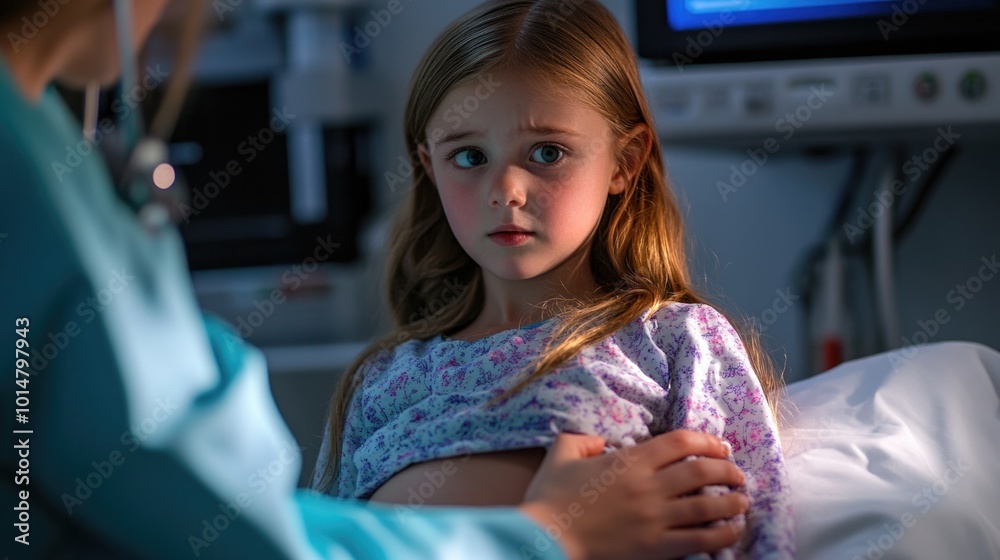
(506, 150)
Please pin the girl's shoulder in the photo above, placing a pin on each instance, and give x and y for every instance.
(396, 355)
(677, 323)
(675, 314)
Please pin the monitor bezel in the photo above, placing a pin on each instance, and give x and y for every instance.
(975, 30)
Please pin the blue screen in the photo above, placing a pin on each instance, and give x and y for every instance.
(696, 14)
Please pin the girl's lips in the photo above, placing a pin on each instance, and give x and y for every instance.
(510, 238)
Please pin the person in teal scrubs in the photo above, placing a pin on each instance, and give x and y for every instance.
(137, 427)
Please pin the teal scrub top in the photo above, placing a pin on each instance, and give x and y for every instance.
(148, 428)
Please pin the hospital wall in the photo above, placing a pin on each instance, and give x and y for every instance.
(745, 247)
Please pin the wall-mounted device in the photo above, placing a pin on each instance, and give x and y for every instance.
(725, 70)
(275, 138)
(275, 143)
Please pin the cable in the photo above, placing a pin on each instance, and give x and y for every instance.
(131, 127)
(877, 253)
(810, 269)
(904, 224)
(902, 219)
(882, 252)
(192, 29)
(832, 334)
(806, 270)
(932, 181)
(90, 110)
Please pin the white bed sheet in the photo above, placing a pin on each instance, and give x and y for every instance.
(897, 456)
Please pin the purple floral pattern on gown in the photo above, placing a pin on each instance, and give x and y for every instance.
(683, 366)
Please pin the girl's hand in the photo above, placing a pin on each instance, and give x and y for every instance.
(633, 503)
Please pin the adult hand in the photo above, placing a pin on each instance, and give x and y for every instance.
(635, 503)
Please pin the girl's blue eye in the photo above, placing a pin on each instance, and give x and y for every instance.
(468, 157)
(549, 153)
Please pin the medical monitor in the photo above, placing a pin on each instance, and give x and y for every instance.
(756, 30)
(731, 70)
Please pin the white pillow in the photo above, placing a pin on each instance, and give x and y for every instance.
(897, 455)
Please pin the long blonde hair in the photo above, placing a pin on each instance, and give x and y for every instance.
(638, 256)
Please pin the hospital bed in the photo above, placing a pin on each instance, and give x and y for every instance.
(897, 456)
(893, 456)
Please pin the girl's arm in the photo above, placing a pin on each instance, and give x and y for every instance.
(715, 390)
(632, 518)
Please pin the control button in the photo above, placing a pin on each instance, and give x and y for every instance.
(717, 98)
(675, 102)
(758, 99)
(973, 85)
(926, 86)
(872, 90)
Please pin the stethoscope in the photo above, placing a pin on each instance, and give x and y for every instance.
(139, 162)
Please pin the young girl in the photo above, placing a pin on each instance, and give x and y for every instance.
(539, 283)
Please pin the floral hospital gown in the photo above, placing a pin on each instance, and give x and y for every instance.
(683, 366)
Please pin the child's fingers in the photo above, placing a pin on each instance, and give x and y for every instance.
(671, 447)
(685, 477)
(694, 511)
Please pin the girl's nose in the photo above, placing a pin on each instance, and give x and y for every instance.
(507, 188)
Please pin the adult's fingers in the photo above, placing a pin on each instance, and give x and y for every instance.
(569, 447)
(671, 447)
(685, 477)
(682, 542)
(694, 511)
(565, 449)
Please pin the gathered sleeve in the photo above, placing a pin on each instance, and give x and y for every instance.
(713, 388)
(345, 479)
(344, 482)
